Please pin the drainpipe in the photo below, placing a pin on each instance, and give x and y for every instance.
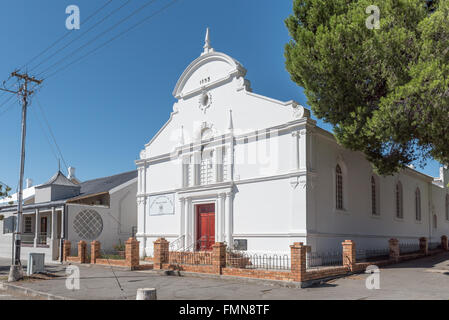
(430, 211)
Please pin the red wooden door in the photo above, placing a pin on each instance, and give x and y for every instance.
(205, 226)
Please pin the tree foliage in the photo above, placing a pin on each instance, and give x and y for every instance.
(386, 90)
(4, 190)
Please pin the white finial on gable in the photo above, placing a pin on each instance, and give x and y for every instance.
(181, 141)
(207, 47)
(231, 122)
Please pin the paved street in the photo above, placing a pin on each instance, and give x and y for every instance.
(426, 278)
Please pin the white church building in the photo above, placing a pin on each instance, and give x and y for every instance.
(234, 166)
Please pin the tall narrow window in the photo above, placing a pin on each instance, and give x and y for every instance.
(225, 163)
(28, 224)
(339, 187)
(418, 204)
(435, 221)
(373, 197)
(399, 204)
(447, 207)
(206, 172)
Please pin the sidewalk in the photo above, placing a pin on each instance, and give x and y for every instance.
(425, 278)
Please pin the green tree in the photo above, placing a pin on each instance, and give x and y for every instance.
(385, 90)
(4, 191)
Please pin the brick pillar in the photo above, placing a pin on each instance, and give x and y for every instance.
(67, 247)
(349, 257)
(218, 256)
(298, 261)
(160, 255)
(82, 251)
(394, 249)
(132, 253)
(423, 245)
(94, 251)
(444, 243)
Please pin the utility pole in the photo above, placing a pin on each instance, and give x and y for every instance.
(16, 272)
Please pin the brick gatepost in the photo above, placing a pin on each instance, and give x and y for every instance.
(160, 255)
(94, 251)
(67, 247)
(349, 254)
(298, 261)
(132, 253)
(218, 256)
(424, 245)
(444, 244)
(82, 251)
(394, 249)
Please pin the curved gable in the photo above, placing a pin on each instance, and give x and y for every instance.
(207, 70)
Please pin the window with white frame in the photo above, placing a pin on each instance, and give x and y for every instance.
(207, 167)
(28, 224)
(418, 204)
(224, 161)
(339, 187)
(399, 201)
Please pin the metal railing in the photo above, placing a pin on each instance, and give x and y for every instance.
(434, 245)
(191, 258)
(405, 248)
(245, 260)
(366, 255)
(324, 259)
(177, 244)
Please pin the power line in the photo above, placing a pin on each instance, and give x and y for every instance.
(98, 36)
(81, 35)
(112, 39)
(65, 35)
(46, 136)
(51, 133)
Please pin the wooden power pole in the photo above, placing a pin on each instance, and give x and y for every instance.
(16, 272)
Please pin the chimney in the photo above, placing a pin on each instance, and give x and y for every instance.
(72, 176)
(28, 183)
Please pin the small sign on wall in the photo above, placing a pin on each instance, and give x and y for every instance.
(162, 204)
(241, 244)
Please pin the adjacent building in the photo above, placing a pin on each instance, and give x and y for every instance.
(64, 208)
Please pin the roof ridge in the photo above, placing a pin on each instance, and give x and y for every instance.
(111, 176)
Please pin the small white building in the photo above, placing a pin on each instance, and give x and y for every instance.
(235, 166)
(64, 208)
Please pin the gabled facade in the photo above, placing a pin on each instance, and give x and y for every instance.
(257, 173)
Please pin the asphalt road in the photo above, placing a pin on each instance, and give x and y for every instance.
(426, 278)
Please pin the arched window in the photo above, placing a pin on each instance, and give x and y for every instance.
(447, 207)
(418, 204)
(374, 208)
(399, 201)
(339, 187)
(206, 169)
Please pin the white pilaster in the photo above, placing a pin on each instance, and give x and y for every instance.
(182, 218)
(229, 219)
(302, 149)
(221, 218)
(53, 223)
(295, 151)
(36, 228)
(187, 219)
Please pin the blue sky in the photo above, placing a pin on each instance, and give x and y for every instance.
(103, 109)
